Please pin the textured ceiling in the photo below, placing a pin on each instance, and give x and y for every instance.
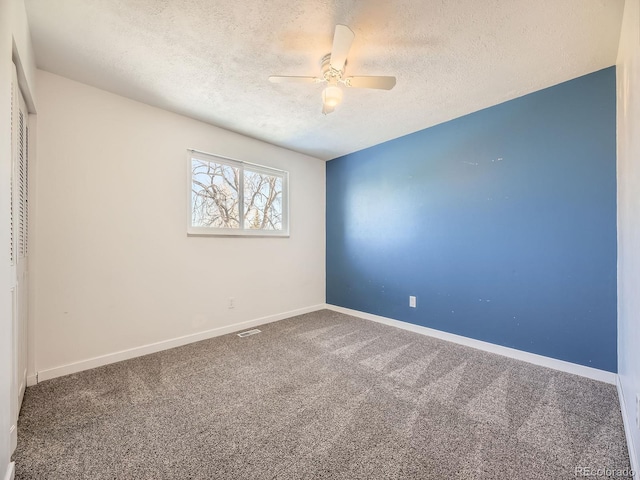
(210, 59)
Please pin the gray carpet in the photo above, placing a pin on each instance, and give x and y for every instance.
(322, 395)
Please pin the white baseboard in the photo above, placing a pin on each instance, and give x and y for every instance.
(593, 373)
(9, 475)
(32, 380)
(13, 437)
(165, 345)
(628, 425)
(541, 360)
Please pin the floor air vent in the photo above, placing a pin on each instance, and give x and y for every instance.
(249, 332)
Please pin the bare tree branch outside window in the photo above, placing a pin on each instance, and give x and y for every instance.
(214, 193)
(262, 201)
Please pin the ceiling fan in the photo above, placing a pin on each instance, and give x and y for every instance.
(333, 73)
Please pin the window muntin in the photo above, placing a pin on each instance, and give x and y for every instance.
(229, 197)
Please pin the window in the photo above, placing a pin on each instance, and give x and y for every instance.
(229, 197)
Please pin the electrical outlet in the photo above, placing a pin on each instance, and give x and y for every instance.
(232, 302)
(412, 301)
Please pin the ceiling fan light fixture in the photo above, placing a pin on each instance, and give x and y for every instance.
(332, 96)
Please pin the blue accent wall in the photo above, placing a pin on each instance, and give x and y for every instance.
(502, 223)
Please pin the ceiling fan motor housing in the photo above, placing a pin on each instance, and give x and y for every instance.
(330, 74)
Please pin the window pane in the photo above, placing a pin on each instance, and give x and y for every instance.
(262, 201)
(214, 195)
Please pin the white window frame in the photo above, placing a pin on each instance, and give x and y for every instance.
(241, 231)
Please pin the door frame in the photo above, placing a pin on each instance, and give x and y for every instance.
(22, 341)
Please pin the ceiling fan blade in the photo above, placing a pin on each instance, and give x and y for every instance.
(327, 109)
(342, 40)
(381, 83)
(284, 79)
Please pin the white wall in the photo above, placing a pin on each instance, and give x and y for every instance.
(628, 77)
(14, 30)
(113, 266)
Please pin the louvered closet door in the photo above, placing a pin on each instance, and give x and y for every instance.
(19, 252)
